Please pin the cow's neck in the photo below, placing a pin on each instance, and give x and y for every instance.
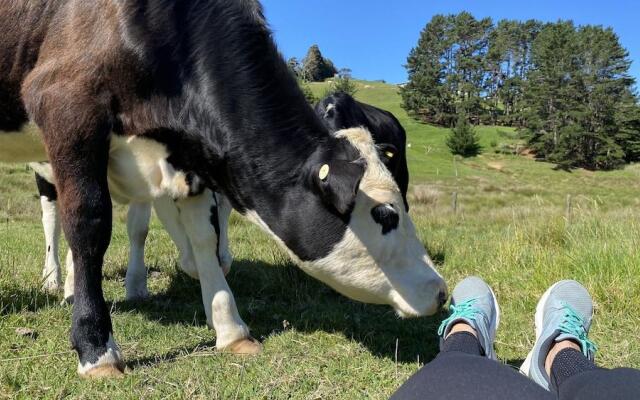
(262, 121)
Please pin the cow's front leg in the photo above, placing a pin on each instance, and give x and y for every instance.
(137, 229)
(76, 135)
(232, 333)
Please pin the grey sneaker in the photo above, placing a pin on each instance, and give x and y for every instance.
(474, 303)
(563, 313)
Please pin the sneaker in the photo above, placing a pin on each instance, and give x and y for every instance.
(474, 303)
(563, 313)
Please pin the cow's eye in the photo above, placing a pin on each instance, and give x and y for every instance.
(387, 216)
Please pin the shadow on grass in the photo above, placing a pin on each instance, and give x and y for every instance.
(268, 295)
(15, 300)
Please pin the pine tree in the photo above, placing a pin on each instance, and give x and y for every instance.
(463, 139)
(425, 96)
(316, 68)
(580, 106)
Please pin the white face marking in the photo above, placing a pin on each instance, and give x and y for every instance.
(371, 267)
(111, 357)
(329, 108)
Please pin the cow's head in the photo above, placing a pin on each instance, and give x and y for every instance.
(374, 255)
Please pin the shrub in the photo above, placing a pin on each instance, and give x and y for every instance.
(463, 139)
(342, 84)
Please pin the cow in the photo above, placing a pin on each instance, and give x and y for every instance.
(340, 111)
(138, 217)
(162, 97)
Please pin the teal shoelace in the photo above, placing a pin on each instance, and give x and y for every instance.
(573, 325)
(462, 310)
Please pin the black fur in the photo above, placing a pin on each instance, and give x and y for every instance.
(46, 188)
(385, 129)
(387, 217)
(214, 219)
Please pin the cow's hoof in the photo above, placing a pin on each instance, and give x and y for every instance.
(248, 346)
(104, 371)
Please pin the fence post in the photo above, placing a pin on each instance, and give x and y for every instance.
(454, 202)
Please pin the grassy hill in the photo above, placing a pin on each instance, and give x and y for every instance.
(511, 228)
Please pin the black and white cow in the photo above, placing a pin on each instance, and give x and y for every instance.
(342, 111)
(161, 97)
(138, 218)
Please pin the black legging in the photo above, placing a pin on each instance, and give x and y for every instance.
(460, 372)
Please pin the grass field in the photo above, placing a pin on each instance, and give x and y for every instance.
(510, 228)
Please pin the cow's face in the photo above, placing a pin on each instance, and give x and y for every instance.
(379, 259)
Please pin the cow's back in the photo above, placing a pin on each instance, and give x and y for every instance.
(24, 24)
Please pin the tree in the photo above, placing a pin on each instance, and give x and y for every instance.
(579, 99)
(425, 95)
(342, 84)
(447, 69)
(316, 68)
(308, 93)
(567, 87)
(294, 66)
(463, 139)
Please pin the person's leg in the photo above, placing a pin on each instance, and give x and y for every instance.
(574, 376)
(465, 367)
(562, 357)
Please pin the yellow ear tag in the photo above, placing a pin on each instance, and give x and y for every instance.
(389, 154)
(324, 172)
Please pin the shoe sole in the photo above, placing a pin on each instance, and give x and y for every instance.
(494, 325)
(526, 365)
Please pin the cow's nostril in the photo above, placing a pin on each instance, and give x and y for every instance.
(442, 298)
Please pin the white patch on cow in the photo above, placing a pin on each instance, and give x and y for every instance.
(330, 107)
(44, 170)
(137, 229)
(51, 274)
(69, 281)
(367, 265)
(111, 357)
(139, 171)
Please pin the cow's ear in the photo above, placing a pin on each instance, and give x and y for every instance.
(337, 183)
(387, 152)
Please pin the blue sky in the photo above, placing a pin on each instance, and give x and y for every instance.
(373, 37)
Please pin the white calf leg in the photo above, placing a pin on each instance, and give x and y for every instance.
(52, 276)
(69, 280)
(224, 212)
(220, 307)
(137, 229)
(169, 215)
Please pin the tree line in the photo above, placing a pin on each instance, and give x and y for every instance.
(566, 87)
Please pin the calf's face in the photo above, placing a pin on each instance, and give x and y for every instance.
(379, 259)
